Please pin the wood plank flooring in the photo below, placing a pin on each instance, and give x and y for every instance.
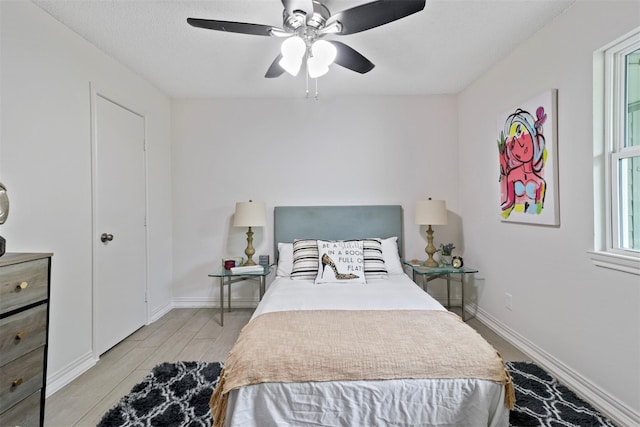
(182, 334)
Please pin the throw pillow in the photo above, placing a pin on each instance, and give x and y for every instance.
(374, 267)
(340, 261)
(391, 257)
(285, 259)
(305, 259)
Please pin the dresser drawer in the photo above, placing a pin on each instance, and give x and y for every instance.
(22, 332)
(21, 378)
(24, 414)
(23, 284)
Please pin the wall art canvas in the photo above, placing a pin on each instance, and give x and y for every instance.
(528, 159)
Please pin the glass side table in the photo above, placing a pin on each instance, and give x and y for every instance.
(228, 277)
(428, 274)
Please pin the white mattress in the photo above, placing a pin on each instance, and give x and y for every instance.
(457, 402)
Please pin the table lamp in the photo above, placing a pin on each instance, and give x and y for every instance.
(249, 214)
(431, 212)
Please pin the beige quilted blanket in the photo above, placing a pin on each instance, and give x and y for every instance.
(335, 345)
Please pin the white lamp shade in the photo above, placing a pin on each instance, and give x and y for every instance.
(431, 212)
(250, 214)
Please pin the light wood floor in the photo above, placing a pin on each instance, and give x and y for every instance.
(182, 334)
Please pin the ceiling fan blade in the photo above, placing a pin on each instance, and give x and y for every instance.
(374, 14)
(233, 27)
(348, 57)
(275, 70)
(291, 6)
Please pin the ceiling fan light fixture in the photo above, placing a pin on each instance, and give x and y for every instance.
(293, 47)
(293, 50)
(290, 65)
(316, 67)
(323, 55)
(324, 51)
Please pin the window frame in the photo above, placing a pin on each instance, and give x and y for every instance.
(609, 104)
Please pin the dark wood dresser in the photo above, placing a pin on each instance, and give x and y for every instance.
(24, 320)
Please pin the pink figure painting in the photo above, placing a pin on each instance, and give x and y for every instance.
(522, 155)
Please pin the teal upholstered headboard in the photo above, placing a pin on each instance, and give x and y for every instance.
(336, 223)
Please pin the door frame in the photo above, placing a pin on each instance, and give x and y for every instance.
(95, 93)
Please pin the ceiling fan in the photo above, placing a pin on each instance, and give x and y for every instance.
(307, 22)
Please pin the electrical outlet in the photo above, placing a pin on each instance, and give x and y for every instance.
(508, 301)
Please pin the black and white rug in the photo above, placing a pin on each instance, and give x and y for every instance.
(542, 401)
(177, 395)
(172, 395)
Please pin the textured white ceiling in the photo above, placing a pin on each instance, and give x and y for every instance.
(439, 50)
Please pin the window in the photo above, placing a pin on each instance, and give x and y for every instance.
(618, 173)
(625, 147)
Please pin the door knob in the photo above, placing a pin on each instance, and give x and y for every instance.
(104, 238)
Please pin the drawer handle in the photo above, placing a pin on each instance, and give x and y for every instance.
(16, 383)
(20, 335)
(22, 285)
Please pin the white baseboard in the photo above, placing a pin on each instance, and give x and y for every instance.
(606, 403)
(73, 370)
(158, 313)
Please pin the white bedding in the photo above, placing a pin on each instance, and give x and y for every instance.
(457, 402)
(398, 292)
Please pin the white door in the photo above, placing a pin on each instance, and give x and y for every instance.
(119, 193)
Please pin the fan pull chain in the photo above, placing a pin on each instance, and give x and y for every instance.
(306, 77)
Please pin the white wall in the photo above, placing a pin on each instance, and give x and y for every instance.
(583, 319)
(373, 150)
(46, 166)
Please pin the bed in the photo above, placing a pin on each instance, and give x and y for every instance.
(355, 345)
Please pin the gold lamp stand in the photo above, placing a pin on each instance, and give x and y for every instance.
(250, 251)
(430, 249)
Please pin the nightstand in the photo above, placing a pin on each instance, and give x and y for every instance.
(228, 277)
(428, 274)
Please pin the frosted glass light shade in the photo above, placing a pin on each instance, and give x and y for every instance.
(316, 67)
(324, 53)
(291, 66)
(250, 214)
(431, 212)
(293, 50)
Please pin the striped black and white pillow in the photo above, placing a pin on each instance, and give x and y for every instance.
(305, 259)
(374, 267)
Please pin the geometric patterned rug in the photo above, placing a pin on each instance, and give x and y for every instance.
(173, 394)
(177, 395)
(542, 401)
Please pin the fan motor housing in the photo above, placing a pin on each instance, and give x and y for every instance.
(297, 19)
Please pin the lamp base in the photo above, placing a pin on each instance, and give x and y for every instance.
(430, 262)
(430, 249)
(249, 251)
